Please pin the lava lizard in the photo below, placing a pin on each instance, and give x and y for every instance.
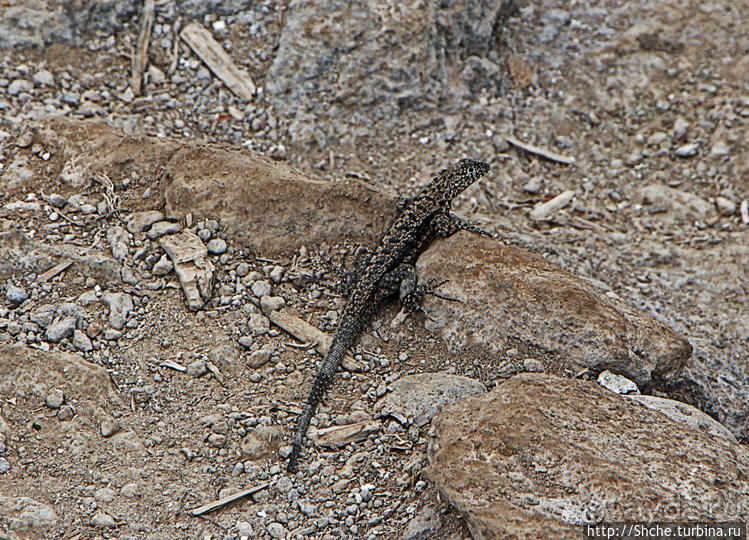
(390, 269)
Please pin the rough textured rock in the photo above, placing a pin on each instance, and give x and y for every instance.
(541, 453)
(192, 266)
(540, 304)
(683, 412)
(678, 204)
(251, 196)
(24, 513)
(418, 398)
(315, 65)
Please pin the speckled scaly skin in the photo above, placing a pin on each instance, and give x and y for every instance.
(390, 269)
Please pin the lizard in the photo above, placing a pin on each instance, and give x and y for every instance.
(390, 269)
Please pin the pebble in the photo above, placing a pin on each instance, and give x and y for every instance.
(261, 288)
(109, 427)
(271, 303)
(617, 383)
(15, 295)
(246, 341)
(57, 200)
(105, 495)
(197, 368)
(276, 530)
(120, 306)
(103, 521)
(243, 269)
(161, 228)
(55, 398)
(533, 365)
(244, 530)
(111, 334)
(726, 206)
(4, 465)
(204, 235)
(81, 341)
(142, 221)
(18, 86)
(277, 273)
(66, 412)
(60, 330)
(258, 358)
(217, 246)
(44, 77)
(163, 266)
(258, 324)
(129, 490)
(687, 150)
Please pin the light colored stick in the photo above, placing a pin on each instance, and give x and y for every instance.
(544, 210)
(52, 272)
(140, 58)
(307, 333)
(548, 154)
(210, 51)
(210, 507)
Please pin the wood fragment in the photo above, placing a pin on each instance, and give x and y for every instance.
(140, 56)
(548, 154)
(745, 212)
(228, 499)
(210, 51)
(52, 272)
(307, 333)
(545, 209)
(173, 365)
(338, 436)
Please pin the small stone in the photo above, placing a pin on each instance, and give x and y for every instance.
(71, 98)
(534, 185)
(162, 228)
(120, 306)
(112, 334)
(726, 206)
(258, 358)
(246, 341)
(243, 269)
(55, 398)
(217, 246)
(261, 288)
(57, 200)
(204, 235)
(163, 266)
(720, 148)
(81, 341)
(687, 150)
(105, 495)
(103, 521)
(277, 273)
(533, 365)
(44, 78)
(88, 209)
(15, 295)
(258, 324)
(155, 75)
(244, 530)
(197, 368)
(4, 465)
(66, 412)
(617, 383)
(217, 439)
(18, 86)
(129, 490)
(680, 128)
(109, 426)
(271, 303)
(94, 329)
(142, 221)
(276, 530)
(60, 330)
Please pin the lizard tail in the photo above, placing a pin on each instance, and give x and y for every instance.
(341, 343)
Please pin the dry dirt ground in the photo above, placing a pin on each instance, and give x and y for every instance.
(639, 95)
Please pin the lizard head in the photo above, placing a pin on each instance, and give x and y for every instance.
(451, 182)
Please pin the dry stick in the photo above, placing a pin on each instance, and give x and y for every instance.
(140, 57)
(52, 272)
(228, 499)
(210, 51)
(307, 333)
(548, 154)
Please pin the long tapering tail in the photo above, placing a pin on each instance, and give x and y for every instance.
(344, 338)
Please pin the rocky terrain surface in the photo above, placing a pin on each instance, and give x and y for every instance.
(163, 254)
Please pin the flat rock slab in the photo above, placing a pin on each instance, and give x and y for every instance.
(505, 292)
(542, 453)
(418, 398)
(192, 266)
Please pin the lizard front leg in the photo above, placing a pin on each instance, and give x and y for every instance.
(447, 224)
(404, 281)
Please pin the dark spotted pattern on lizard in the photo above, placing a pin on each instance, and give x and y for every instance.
(390, 270)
